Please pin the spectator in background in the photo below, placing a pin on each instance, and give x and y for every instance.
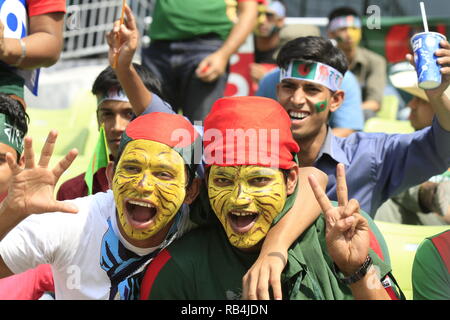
(115, 112)
(427, 203)
(29, 285)
(378, 165)
(191, 44)
(267, 39)
(31, 37)
(431, 268)
(347, 119)
(345, 26)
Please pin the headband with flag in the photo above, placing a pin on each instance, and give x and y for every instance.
(344, 22)
(115, 94)
(249, 131)
(10, 135)
(314, 72)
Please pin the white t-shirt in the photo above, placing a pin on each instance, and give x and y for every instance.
(89, 257)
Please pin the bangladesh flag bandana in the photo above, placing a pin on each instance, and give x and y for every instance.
(314, 72)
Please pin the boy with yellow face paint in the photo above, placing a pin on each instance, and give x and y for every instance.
(345, 26)
(100, 252)
(250, 187)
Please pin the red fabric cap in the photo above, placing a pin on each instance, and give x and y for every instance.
(170, 129)
(249, 131)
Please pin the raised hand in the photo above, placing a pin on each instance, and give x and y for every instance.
(123, 39)
(31, 188)
(347, 232)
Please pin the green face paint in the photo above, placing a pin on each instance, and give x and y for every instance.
(321, 106)
(10, 135)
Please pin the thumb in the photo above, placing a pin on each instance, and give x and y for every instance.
(65, 206)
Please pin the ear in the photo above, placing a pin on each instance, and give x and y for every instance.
(336, 100)
(110, 173)
(280, 22)
(292, 180)
(193, 191)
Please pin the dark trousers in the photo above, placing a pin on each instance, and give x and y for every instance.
(174, 63)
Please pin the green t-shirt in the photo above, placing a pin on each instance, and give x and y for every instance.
(430, 273)
(184, 19)
(203, 265)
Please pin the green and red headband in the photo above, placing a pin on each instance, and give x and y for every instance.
(312, 71)
(249, 131)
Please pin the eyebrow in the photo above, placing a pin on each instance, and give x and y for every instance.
(262, 172)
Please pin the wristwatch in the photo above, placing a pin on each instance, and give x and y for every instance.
(358, 275)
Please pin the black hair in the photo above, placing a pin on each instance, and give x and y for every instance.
(341, 12)
(107, 79)
(16, 115)
(311, 48)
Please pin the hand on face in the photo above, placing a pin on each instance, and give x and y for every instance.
(246, 199)
(347, 232)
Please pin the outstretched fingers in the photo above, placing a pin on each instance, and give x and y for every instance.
(64, 163)
(321, 197)
(47, 150)
(341, 185)
(28, 153)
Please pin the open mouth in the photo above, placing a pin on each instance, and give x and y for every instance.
(298, 115)
(140, 213)
(242, 221)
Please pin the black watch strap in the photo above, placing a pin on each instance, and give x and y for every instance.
(359, 274)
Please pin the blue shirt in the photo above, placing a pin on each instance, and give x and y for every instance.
(380, 165)
(349, 115)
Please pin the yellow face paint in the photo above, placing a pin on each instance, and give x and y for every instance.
(149, 187)
(355, 34)
(246, 199)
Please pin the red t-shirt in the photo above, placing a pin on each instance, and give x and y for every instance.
(76, 187)
(37, 7)
(28, 285)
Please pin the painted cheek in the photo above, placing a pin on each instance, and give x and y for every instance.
(321, 106)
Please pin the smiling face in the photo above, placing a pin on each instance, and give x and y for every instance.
(149, 188)
(308, 105)
(246, 199)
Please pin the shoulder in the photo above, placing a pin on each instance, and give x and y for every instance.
(371, 55)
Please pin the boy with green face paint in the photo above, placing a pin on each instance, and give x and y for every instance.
(249, 195)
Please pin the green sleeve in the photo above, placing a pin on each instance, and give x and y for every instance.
(430, 279)
(171, 282)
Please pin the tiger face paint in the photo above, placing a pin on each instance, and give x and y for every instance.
(246, 199)
(149, 187)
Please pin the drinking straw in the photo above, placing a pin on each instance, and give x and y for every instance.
(116, 56)
(424, 16)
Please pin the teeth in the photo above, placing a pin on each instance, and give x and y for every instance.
(142, 204)
(298, 115)
(242, 213)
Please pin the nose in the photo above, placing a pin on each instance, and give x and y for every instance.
(298, 98)
(145, 185)
(241, 197)
(413, 103)
(120, 123)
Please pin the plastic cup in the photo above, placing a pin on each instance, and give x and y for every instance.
(424, 45)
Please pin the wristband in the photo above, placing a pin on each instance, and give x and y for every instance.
(359, 274)
(22, 55)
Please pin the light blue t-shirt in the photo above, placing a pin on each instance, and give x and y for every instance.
(349, 115)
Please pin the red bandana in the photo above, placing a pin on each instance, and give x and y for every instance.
(249, 131)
